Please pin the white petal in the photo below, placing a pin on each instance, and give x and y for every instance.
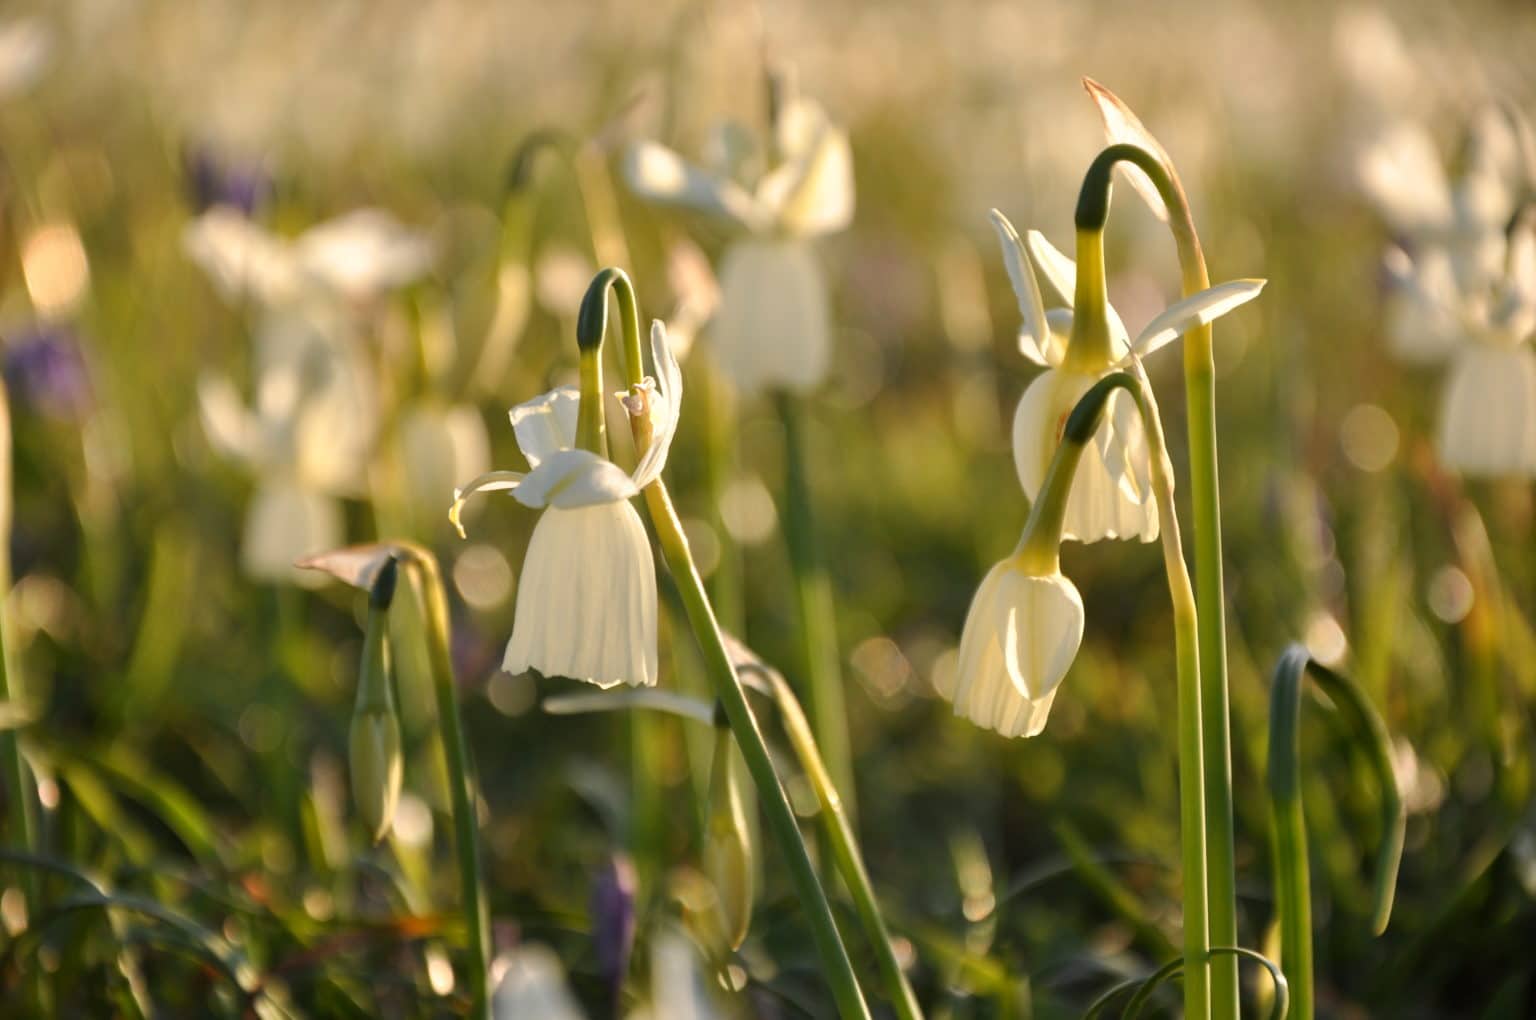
(546, 423)
(812, 193)
(1034, 331)
(241, 259)
(491, 481)
(1195, 310)
(435, 447)
(363, 253)
(1400, 170)
(658, 174)
(228, 423)
(1037, 423)
(586, 601)
(1421, 322)
(773, 328)
(283, 524)
(533, 987)
(1057, 271)
(1021, 634)
(1122, 125)
(574, 478)
(670, 394)
(1106, 500)
(1488, 422)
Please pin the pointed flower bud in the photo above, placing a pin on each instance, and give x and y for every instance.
(612, 907)
(377, 765)
(727, 846)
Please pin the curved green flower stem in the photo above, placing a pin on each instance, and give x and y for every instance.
(428, 585)
(1191, 721)
(781, 820)
(814, 604)
(1200, 397)
(845, 850)
(591, 323)
(1277, 1011)
(1293, 877)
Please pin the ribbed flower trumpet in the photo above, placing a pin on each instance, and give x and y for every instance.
(772, 327)
(1021, 634)
(586, 602)
(1110, 498)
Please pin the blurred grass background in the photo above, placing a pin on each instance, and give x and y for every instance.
(192, 731)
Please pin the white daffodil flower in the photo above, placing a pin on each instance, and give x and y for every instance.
(1454, 249)
(1111, 493)
(1464, 283)
(773, 325)
(586, 602)
(1021, 634)
(310, 432)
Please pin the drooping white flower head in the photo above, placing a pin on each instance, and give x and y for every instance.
(1110, 496)
(586, 602)
(773, 325)
(1464, 282)
(1021, 634)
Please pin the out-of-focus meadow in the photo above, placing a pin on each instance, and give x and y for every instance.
(192, 694)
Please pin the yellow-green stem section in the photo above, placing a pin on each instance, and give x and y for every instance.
(591, 426)
(845, 851)
(1089, 349)
(836, 966)
(814, 604)
(1200, 398)
(21, 820)
(477, 915)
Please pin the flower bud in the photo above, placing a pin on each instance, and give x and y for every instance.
(727, 848)
(377, 765)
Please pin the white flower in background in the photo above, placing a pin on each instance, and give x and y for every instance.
(310, 428)
(1464, 282)
(26, 47)
(533, 987)
(435, 446)
(1021, 634)
(1110, 494)
(773, 325)
(586, 601)
(532, 984)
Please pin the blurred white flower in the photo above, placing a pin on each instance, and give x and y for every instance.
(284, 523)
(1021, 634)
(1110, 495)
(26, 47)
(533, 987)
(586, 602)
(773, 327)
(678, 988)
(315, 416)
(357, 256)
(435, 446)
(1464, 282)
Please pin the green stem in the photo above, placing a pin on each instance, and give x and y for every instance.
(845, 850)
(477, 917)
(781, 820)
(1192, 792)
(1293, 877)
(814, 604)
(1200, 391)
(21, 819)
